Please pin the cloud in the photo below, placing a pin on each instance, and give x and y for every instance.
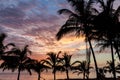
(12, 17)
(34, 22)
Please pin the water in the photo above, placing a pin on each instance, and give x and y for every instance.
(8, 75)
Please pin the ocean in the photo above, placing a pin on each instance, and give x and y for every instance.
(8, 75)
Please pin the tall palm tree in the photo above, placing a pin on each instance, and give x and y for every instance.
(107, 25)
(82, 68)
(53, 62)
(39, 67)
(79, 21)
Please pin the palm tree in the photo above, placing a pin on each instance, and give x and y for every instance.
(110, 66)
(39, 67)
(82, 68)
(13, 63)
(66, 64)
(79, 21)
(107, 25)
(23, 61)
(52, 61)
(102, 72)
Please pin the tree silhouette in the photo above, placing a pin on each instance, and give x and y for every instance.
(22, 62)
(82, 67)
(102, 72)
(52, 61)
(110, 66)
(66, 64)
(107, 25)
(39, 67)
(79, 21)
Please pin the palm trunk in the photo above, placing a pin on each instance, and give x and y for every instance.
(88, 55)
(18, 78)
(114, 73)
(95, 62)
(38, 76)
(117, 51)
(67, 74)
(54, 75)
(83, 75)
(118, 55)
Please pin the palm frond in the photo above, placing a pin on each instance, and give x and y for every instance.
(78, 6)
(65, 30)
(65, 11)
(10, 44)
(48, 63)
(76, 62)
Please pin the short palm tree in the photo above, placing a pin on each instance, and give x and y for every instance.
(109, 68)
(52, 61)
(23, 62)
(39, 67)
(66, 64)
(13, 63)
(82, 67)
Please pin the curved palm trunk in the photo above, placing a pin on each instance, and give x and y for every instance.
(67, 74)
(114, 73)
(18, 78)
(95, 62)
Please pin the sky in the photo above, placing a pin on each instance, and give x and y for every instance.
(35, 23)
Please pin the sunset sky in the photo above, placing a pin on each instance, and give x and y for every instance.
(36, 22)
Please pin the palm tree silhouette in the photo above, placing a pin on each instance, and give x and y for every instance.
(66, 64)
(79, 21)
(39, 67)
(109, 68)
(13, 63)
(23, 61)
(107, 25)
(102, 72)
(82, 68)
(53, 61)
